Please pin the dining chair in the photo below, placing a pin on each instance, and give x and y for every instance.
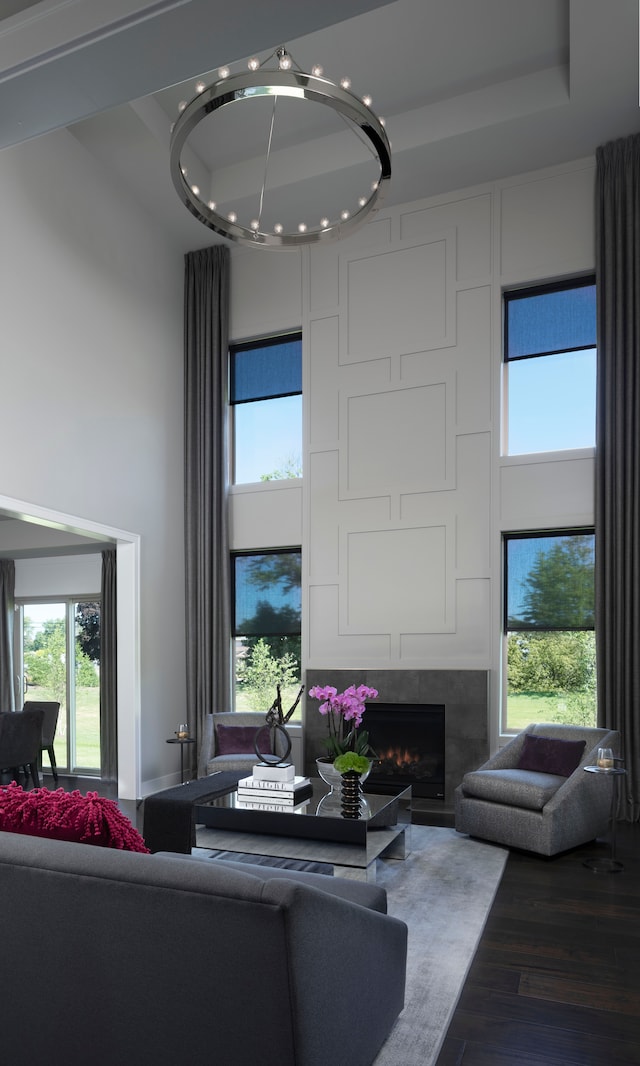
(20, 743)
(51, 711)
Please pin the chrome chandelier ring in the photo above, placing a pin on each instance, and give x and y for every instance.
(254, 84)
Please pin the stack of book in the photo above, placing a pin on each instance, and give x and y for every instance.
(274, 788)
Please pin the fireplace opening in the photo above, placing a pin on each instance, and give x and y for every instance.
(409, 742)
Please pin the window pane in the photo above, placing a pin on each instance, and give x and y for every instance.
(552, 402)
(267, 617)
(549, 629)
(267, 593)
(268, 440)
(551, 678)
(554, 321)
(268, 368)
(550, 581)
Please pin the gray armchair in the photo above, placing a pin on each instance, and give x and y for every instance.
(211, 757)
(537, 811)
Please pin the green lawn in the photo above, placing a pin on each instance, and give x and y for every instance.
(526, 707)
(87, 727)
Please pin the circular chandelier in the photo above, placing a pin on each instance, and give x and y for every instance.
(287, 80)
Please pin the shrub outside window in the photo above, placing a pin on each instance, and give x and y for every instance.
(265, 391)
(267, 610)
(550, 367)
(549, 628)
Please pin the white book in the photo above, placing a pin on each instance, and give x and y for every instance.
(283, 808)
(296, 783)
(262, 772)
(260, 794)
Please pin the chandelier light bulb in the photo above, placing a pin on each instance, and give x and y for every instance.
(232, 216)
(324, 222)
(382, 121)
(317, 70)
(223, 72)
(254, 63)
(278, 227)
(195, 189)
(284, 60)
(212, 205)
(362, 201)
(367, 100)
(255, 224)
(344, 215)
(183, 171)
(200, 87)
(182, 105)
(374, 186)
(302, 227)
(345, 83)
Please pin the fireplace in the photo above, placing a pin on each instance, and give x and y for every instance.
(462, 693)
(409, 742)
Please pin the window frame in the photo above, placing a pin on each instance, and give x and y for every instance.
(511, 296)
(235, 632)
(266, 341)
(539, 534)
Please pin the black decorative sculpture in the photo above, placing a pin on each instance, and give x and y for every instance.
(276, 721)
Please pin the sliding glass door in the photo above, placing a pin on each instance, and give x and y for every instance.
(59, 656)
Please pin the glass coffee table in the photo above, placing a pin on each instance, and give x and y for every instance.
(315, 831)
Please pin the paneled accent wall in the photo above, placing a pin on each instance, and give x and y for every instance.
(405, 492)
(399, 449)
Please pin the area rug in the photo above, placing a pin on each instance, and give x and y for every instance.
(443, 891)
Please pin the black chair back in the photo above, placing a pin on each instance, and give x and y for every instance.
(50, 720)
(20, 742)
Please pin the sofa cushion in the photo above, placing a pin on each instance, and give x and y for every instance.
(240, 740)
(549, 755)
(60, 815)
(514, 788)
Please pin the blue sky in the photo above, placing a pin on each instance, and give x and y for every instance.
(267, 435)
(552, 402)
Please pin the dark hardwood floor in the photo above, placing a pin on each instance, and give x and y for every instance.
(556, 977)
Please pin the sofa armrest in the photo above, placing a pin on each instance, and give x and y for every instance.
(325, 936)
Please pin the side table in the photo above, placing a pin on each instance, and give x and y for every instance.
(609, 865)
(181, 741)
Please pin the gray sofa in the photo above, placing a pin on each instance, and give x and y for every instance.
(539, 812)
(129, 958)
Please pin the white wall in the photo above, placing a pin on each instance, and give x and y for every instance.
(91, 393)
(405, 491)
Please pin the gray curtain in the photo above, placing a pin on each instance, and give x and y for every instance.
(207, 568)
(7, 605)
(618, 454)
(108, 670)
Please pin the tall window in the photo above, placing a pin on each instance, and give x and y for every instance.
(549, 628)
(266, 405)
(59, 652)
(266, 627)
(550, 367)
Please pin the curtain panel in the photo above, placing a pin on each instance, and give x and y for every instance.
(7, 606)
(617, 490)
(207, 573)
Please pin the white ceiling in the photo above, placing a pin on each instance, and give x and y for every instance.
(471, 90)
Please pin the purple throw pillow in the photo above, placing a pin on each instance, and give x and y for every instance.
(240, 740)
(550, 756)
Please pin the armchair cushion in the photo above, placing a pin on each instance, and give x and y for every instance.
(548, 755)
(518, 788)
(240, 739)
